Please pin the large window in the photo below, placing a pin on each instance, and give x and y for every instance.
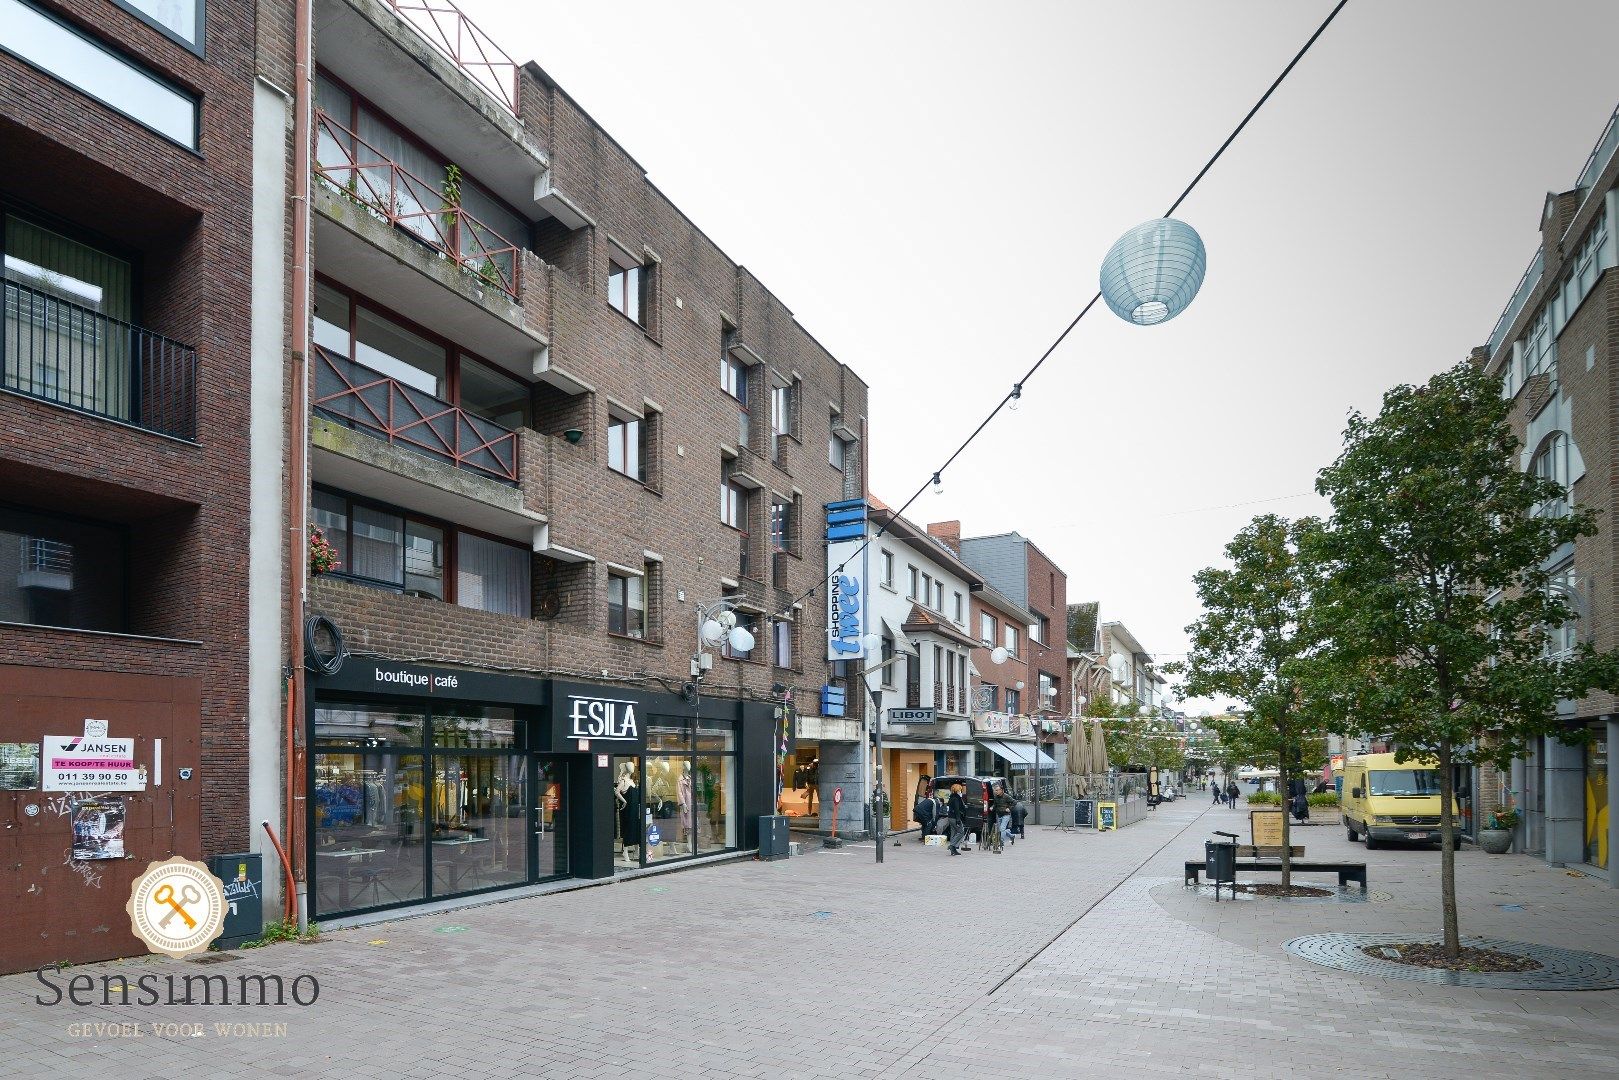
(781, 525)
(388, 549)
(60, 343)
(179, 19)
(626, 446)
(986, 629)
(1010, 639)
(626, 605)
(353, 327)
(89, 66)
(679, 799)
(782, 652)
(1040, 630)
(733, 498)
(415, 802)
(1561, 641)
(1551, 462)
(59, 571)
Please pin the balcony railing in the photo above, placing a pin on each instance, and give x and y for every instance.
(1520, 296)
(1599, 155)
(354, 394)
(447, 29)
(60, 352)
(364, 175)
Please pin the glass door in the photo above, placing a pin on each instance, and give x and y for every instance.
(550, 855)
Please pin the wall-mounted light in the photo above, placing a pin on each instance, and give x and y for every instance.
(573, 435)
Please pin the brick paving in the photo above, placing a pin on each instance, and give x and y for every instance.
(1069, 954)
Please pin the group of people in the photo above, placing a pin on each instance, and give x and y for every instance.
(948, 816)
(1226, 795)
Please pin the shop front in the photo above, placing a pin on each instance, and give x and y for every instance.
(431, 783)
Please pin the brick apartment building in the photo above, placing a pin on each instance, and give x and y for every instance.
(552, 429)
(124, 455)
(1556, 348)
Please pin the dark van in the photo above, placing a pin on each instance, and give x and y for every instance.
(975, 793)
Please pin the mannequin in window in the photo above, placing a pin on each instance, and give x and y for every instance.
(687, 839)
(626, 796)
(660, 789)
(812, 780)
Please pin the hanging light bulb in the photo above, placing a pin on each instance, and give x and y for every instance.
(1017, 395)
(938, 485)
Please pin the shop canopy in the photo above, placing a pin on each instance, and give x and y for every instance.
(1020, 753)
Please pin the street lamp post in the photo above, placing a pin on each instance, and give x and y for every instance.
(873, 643)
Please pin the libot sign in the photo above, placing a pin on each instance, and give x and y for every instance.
(913, 716)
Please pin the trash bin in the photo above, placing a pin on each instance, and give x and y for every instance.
(773, 837)
(243, 878)
(1220, 862)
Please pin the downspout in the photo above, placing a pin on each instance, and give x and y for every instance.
(298, 449)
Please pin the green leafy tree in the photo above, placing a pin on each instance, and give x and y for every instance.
(1254, 641)
(1437, 589)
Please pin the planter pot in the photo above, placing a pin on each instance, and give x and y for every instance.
(1495, 841)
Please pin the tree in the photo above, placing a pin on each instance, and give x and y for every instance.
(1438, 593)
(1254, 641)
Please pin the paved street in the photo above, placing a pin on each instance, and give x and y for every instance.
(1069, 955)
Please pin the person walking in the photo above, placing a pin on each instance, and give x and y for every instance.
(1005, 806)
(956, 808)
(1231, 794)
(1219, 793)
(926, 810)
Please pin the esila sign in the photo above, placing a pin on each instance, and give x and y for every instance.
(612, 719)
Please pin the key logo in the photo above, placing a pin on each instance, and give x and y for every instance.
(177, 907)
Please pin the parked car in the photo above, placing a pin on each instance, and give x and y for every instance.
(976, 793)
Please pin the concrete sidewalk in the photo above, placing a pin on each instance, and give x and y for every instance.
(1071, 953)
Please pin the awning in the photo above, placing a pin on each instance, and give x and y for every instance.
(902, 644)
(1024, 754)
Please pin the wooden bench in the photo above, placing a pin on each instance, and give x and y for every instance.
(1249, 851)
(1346, 871)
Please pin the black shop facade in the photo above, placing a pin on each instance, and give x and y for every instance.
(427, 783)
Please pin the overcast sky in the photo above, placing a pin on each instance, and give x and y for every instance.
(930, 187)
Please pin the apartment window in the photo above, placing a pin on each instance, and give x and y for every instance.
(837, 452)
(782, 646)
(888, 569)
(177, 19)
(1014, 701)
(1561, 641)
(1010, 639)
(986, 629)
(781, 417)
(749, 622)
(113, 79)
(388, 549)
(626, 446)
(1048, 692)
(1040, 629)
(961, 610)
(938, 597)
(914, 589)
(949, 701)
(1551, 462)
(626, 605)
(733, 498)
(353, 328)
(989, 697)
(781, 525)
(67, 572)
(626, 291)
(888, 666)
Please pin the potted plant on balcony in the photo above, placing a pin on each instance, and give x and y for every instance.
(322, 555)
(1496, 836)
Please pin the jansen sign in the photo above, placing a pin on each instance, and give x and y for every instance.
(75, 763)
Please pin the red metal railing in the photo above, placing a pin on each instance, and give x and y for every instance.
(369, 177)
(448, 30)
(354, 394)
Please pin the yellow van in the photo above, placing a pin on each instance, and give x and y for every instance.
(1383, 799)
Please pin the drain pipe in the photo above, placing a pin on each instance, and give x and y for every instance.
(298, 449)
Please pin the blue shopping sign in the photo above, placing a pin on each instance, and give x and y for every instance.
(653, 837)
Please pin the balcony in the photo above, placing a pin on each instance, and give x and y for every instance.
(355, 395)
(58, 351)
(447, 28)
(366, 177)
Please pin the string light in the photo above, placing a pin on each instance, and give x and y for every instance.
(1017, 393)
(938, 485)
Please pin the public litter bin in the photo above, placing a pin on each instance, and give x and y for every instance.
(1220, 863)
(243, 877)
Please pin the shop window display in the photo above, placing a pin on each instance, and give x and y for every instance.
(676, 800)
(368, 830)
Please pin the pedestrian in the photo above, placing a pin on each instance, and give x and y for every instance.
(1004, 806)
(956, 808)
(1219, 796)
(1231, 794)
(926, 810)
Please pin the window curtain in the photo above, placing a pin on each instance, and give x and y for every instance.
(491, 576)
(415, 195)
(55, 345)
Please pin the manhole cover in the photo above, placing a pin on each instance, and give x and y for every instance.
(1560, 969)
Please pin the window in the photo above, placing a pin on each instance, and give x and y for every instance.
(888, 666)
(626, 605)
(1048, 692)
(749, 622)
(986, 629)
(385, 549)
(989, 697)
(927, 590)
(1551, 462)
(179, 19)
(938, 596)
(961, 611)
(88, 66)
(1040, 629)
(888, 569)
(783, 643)
(733, 498)
(62, 572)
(1561, 641)
(1014, 701)
(781, 525)
(488, 392)
(1010, 640)
(914, 587)
(837, 452)
(781, 417)
(734, 378)
(626, 447)
(626, 291)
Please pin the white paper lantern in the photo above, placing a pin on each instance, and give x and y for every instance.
(1152, 272)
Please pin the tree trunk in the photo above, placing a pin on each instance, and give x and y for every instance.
(1287, 831)
(1447, 839)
